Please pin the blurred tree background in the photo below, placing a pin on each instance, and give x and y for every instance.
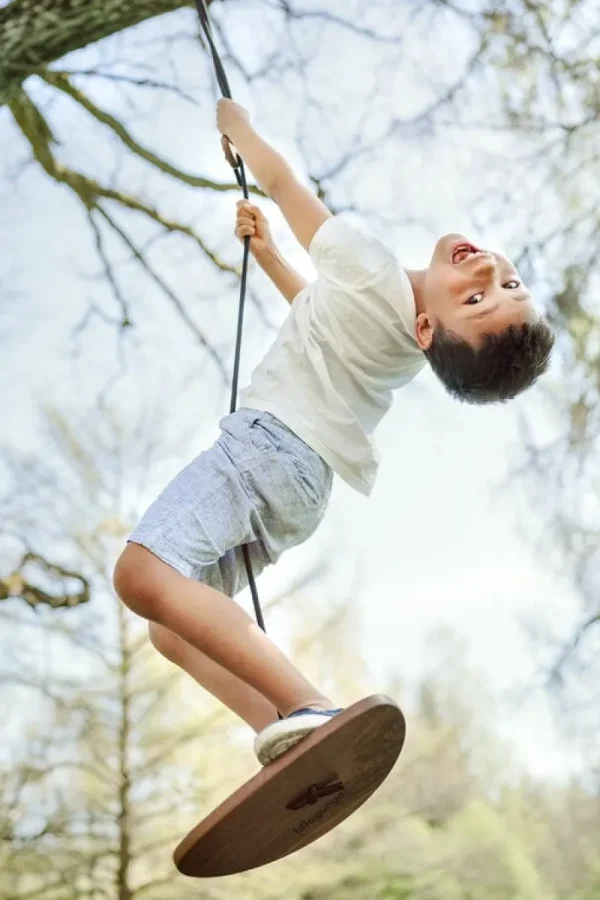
(111, 168)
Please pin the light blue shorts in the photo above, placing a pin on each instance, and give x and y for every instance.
(259, 485)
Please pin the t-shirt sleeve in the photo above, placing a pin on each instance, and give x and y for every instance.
(349, 256)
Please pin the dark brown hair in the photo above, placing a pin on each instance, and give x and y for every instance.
(503, 365)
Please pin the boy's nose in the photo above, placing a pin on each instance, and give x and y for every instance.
(483, 265)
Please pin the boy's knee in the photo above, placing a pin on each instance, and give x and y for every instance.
(136, 581)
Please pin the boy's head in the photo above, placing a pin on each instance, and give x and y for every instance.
(477, 325)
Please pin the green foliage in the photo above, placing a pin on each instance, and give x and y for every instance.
(384, 886)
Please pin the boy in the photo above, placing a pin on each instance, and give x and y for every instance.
(364, 328)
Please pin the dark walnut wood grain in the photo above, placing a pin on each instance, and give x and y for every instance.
(301, 796)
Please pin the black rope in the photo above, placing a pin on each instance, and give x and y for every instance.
(240, 173)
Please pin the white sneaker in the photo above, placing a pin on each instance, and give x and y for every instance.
(280, 736)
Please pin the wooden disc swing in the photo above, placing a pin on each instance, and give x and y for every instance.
(322, 780)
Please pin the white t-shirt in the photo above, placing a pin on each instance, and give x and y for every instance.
(348, 342)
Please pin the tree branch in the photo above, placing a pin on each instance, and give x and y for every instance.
(39, 134)
(35, 33)
(61, 82)
(556, 673)
(17, 584)
(322, 15)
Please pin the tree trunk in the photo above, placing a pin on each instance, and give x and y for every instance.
(123, 876)
(34, 33)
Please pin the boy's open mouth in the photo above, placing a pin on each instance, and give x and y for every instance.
(463, 251)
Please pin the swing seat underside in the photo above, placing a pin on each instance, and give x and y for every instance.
(301, 796)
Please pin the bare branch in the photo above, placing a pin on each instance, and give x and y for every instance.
(109, 274)
(322, 15)
(61, 82)
(176, 302)
(34, 33)
(556, 673)
(90, 192)
(121, 78)
(19, 585)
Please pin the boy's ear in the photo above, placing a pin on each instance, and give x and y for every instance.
(424, 331)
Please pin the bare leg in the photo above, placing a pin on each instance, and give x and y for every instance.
(238, 696)
(215, 625)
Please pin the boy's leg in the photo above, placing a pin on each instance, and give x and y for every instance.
(214, 624)
(238, 696)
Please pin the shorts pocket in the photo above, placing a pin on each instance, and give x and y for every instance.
(314, 479)
(263, 438)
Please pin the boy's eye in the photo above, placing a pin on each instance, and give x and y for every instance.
(476, 298)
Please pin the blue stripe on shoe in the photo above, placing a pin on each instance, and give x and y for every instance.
(309, 711)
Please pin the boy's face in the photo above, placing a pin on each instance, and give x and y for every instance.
(470, 292)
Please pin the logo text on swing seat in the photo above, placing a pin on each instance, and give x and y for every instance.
(331, 788)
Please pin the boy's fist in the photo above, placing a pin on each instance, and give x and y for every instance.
(230, 114)
(252, 223)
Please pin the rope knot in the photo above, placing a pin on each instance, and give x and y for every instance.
(315, 793)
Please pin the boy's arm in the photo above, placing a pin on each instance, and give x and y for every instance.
(302, 209)
(287, 281)
(252, 223)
